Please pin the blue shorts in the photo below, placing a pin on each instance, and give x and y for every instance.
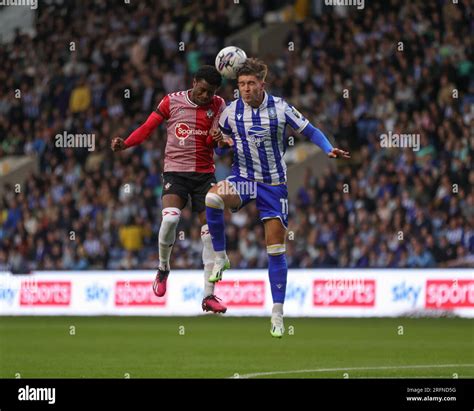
(272, 201)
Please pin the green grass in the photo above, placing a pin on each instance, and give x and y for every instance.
(220, 347)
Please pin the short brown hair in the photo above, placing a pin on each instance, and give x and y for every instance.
(253, 67)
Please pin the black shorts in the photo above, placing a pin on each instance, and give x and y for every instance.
(189, 184)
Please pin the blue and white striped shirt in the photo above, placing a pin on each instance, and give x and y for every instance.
(259, 137)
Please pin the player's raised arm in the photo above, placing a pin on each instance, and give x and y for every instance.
(296, 121)
(143, 132)
(318, 138)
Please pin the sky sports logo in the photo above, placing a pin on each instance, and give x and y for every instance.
(37, 394)
(296, 293)
(8, 295)
(46, 293)
(97, 293)
(243, 293)
(136, 293)
(340, 292)
(246, 293)
(404, 292)
(449, 293)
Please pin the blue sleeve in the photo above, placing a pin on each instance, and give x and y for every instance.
(221, 151)
(317, 137)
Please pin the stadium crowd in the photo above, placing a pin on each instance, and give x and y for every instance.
(100, 68)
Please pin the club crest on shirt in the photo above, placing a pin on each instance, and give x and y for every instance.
(210, 113)
(272, 112)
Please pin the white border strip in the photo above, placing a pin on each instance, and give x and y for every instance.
(399, 367)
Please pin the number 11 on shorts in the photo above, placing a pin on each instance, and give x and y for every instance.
(284, 205)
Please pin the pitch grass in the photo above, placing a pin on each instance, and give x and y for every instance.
(221, 347)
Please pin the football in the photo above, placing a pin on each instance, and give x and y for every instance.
(229, 60)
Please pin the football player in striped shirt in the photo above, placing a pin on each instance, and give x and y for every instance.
(192, 129)
(256, 123)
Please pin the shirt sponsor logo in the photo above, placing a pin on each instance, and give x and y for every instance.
(183, 131)
(258, 134)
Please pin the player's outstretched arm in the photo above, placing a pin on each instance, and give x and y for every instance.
(139, 135)
(318, 138)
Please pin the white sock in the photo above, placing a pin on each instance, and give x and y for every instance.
(208, 257)
(277, 308)
(221, 255)
(167, 235)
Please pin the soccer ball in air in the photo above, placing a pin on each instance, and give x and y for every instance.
(229, 60)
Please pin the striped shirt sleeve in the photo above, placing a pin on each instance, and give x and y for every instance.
(294, 118)
(224, 122)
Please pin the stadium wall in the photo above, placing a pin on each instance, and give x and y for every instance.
(310, 293)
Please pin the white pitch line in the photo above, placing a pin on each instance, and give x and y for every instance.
(377, 377)
(399, 367)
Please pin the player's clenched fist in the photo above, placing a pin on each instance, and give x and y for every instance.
(216, 135)
(118, 144)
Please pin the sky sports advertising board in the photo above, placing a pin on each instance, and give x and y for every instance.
(311, 293)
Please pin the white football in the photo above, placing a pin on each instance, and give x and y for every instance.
(229, 60)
